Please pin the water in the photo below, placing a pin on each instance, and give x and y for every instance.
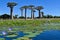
(48, 35)
(20, 34)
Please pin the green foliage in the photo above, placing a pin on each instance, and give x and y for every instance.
(21, 17)
(25, 22)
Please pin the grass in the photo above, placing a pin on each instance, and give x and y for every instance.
(31, 27)
(20, 22)
(26, 22)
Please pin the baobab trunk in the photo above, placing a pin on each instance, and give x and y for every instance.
(21, 13)
(11, 13)
(39, 14)
(32, 14)
(42, 14)
(25, 14)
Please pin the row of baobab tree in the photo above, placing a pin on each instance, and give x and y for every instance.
(31, 7)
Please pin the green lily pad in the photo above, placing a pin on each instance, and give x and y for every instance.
(11, 35)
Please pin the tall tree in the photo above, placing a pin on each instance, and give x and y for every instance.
(25, 7)
(11, 5)
(42, 14)
(39, 8)
(21, 11)
(31, 7)
(33, 12)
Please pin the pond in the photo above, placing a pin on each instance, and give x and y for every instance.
(34, 33)
(48, 35)
(10, 34)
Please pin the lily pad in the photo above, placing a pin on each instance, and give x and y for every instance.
(11, 35)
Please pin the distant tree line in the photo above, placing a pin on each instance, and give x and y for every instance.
(6, 16)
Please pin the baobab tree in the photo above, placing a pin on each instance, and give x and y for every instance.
(39, 8)
(33, 13)
(21, 11)
(25, 7)
(11, 5)
(32, 8)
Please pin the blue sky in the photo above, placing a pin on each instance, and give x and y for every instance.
(51, 7)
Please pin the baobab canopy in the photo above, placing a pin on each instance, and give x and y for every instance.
(11, 4)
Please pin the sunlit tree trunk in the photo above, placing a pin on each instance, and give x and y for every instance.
(22, 13)
(25, 14)
(11, 12)
(39, 14)
(32, 14)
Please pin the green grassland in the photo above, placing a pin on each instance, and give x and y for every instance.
(26, 22)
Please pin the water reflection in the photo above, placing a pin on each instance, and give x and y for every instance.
(48, 35)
